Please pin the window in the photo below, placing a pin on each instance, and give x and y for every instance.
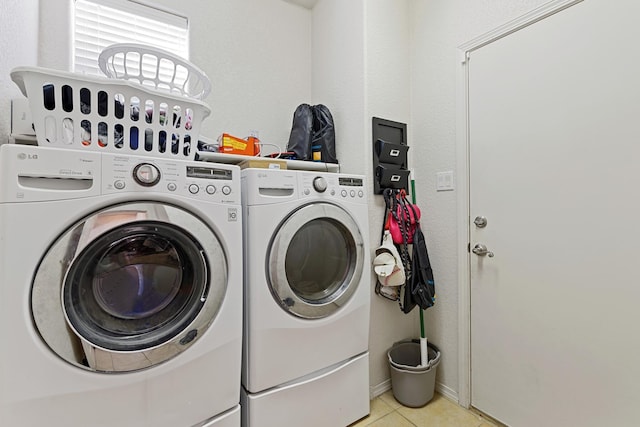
(100, 23)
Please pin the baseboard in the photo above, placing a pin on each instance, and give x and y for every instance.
(379, 389)
(385, 386)
(447, 392)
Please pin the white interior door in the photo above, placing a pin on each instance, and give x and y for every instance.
(554, 163)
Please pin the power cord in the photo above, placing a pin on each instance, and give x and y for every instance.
(262, 144)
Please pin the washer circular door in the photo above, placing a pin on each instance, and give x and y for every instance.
(129, 287)
(315, 260)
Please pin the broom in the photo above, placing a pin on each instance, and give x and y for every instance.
(424, 353)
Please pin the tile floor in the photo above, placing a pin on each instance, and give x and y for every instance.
(439, 412)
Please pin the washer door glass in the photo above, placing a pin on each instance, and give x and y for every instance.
(137, 287)
(315, 260)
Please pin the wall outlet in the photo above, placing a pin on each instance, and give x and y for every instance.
(444, 181)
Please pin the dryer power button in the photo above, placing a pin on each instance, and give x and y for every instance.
(320, 184)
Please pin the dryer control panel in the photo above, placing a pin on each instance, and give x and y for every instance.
(267, 186)
(333, 186)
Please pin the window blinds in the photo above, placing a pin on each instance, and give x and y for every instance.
(98, 25)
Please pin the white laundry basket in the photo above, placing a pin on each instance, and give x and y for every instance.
(153, 67)
(96, 113)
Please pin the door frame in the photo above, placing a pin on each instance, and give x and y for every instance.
(462, 178)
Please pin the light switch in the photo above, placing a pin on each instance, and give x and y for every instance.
(444, 181)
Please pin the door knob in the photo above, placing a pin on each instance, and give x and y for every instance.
(480, 221)
(481, 250)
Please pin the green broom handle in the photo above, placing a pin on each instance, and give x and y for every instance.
(413, 200)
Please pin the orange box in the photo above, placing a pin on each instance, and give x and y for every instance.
(230, 144)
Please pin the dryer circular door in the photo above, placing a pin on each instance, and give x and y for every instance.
(129, 287)
(315, 260)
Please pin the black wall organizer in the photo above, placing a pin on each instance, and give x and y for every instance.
(389, 155)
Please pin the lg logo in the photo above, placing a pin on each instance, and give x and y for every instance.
(23, 156)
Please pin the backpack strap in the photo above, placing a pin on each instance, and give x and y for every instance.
(388, 202)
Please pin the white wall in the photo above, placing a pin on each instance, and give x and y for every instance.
(18, 44)
(257, 54)
(439, 27)
(388, 95)
(55, 35)
(337, 75)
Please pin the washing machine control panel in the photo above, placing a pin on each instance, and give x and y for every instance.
(197, 180)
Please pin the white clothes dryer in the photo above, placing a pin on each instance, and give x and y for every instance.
(120, 290)
(307, 298)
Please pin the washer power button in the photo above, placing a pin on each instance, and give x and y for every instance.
(146, 174)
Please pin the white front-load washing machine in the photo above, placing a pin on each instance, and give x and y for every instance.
(307, 299)
(120, 290)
